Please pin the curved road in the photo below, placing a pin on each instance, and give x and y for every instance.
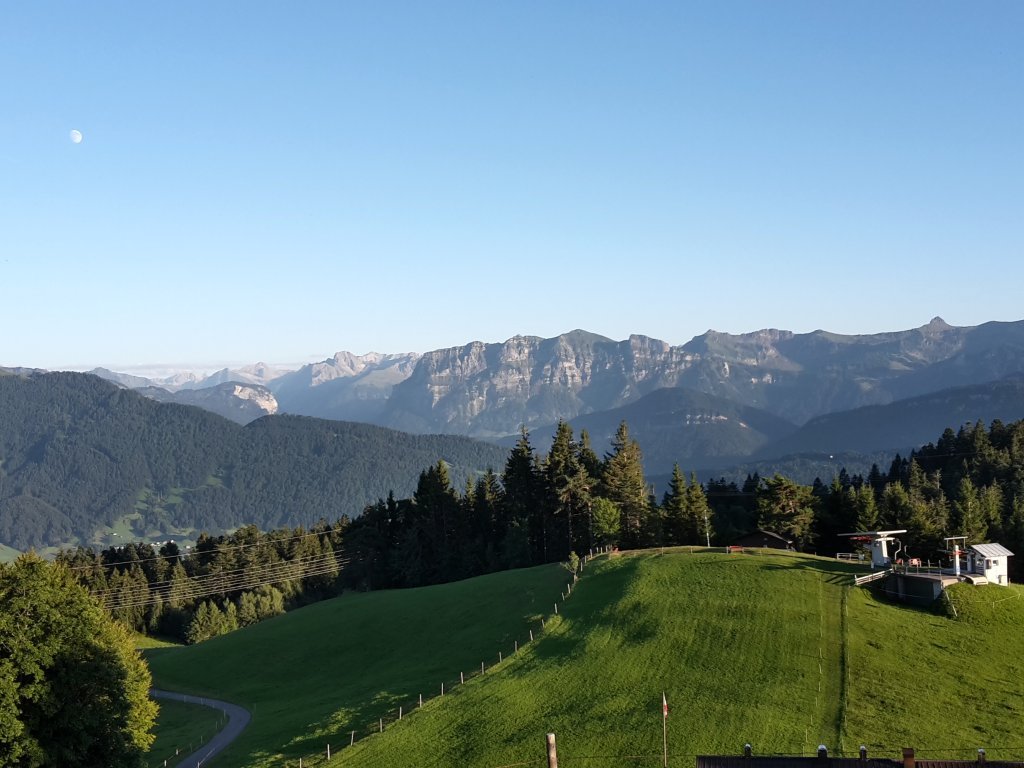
(238, 718)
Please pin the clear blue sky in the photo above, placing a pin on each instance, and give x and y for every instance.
(281, 181)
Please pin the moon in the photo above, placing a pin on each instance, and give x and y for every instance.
(76, 137)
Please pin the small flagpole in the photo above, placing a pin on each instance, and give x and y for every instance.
(664, 726)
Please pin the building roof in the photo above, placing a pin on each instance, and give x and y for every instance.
(737, 761)
(875, 534)
(991, 550)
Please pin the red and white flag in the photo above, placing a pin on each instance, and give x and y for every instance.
(664, 705)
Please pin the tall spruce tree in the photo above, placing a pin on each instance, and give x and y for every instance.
(523, 506)
(675, 509)
(624, 484)
(699, 511)
(787, 508)
(568, 488)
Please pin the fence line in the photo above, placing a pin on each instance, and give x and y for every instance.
(409, 706)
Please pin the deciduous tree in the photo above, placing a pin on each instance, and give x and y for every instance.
(73, 689)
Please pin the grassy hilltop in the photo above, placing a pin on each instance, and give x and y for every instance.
(776, 650)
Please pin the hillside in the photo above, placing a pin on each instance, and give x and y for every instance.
(905, 423)
(81, 459)
(773, 649)
(241, 403)
(339, 665)
(681, 425)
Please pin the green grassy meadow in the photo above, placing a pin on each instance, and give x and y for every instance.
(312, 676)
(776, 649)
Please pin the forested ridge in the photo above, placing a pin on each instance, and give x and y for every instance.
(78, 453)
(550, 508)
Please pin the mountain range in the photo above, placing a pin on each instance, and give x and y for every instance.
(82, 458)
(734, 395)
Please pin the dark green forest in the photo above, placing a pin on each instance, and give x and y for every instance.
(78, 453)
(550, 508)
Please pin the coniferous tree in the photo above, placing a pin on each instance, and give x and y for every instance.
(969, 518)
(624, 484)
(788, 509)
(523, 486)
(569, 489)
(587, 457)
(699, 511)
(486, 534)
(675, 510)
(863, 500)
(558, 468)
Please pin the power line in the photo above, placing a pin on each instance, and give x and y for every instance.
(193, 553)
(219, 583)
(221, 574)
(216, 589)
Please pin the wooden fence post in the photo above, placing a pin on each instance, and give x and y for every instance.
(353, 739)
(552, 751)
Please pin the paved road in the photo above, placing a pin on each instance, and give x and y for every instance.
(238, 718)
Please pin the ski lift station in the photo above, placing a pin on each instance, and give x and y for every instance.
(880, 543)
(909, 579)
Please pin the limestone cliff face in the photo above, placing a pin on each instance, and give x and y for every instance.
(486, 389)
(491, 389)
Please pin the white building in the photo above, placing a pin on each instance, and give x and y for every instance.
(991, 561)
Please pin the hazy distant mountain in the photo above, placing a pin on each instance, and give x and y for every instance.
(490, 389)
(123, 379)
(346, 386)
(259, 374)
(905, 423)
(680, 425)
(241, 403)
